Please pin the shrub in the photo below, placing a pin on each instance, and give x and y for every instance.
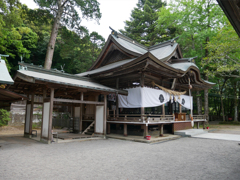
(4, 117)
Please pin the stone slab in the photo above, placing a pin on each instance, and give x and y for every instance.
(228, 137)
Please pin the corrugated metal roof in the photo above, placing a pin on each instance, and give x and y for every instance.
(5, 77)
(107, 67)
(164, 52)
(76, 82)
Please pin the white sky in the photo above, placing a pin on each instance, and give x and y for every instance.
(114, 13)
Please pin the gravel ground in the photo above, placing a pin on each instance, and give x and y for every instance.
(185, 158)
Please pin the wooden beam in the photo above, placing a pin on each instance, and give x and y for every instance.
(77, 101)
(173, 84)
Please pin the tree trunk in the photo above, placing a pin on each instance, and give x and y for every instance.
(235, 103)
(221, 91)
(199, 103)
(52, 41)
(206, 103)
(222, 108)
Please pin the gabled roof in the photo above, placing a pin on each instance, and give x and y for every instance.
(31, 73)
(5, 77)
(107, 67)
(162, 51)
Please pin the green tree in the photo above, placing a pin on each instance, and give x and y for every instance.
(15, 38)
(223, 60)
(142, 26)
(65, 13)
(97, 43)
(198, 21)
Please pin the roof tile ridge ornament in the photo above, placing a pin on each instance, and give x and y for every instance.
(119, 35)
(162, 44)
(115, 33)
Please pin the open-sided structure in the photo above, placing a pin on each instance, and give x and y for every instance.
(126, 64)
(62, 89)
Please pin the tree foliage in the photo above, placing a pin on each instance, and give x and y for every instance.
(142, 26)
(65, 13)
(29, 35)
(198, 21)
(224, 53)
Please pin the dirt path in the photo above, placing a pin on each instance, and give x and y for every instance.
(10, 130)
(214, 128)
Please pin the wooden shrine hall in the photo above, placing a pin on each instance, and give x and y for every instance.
(129, 89)
(126, 64)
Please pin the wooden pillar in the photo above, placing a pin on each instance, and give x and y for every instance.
(27, 118)
(81, 113)
(145, 130)
(161, 130)
(105, 115)
(50, 114)
(163, 109)
(125, 130)
(95, 120)
(31, 114)
(117, 86)
(108, 129)
(142, 85)
(73, 117)
(44, 96)
(180, 108)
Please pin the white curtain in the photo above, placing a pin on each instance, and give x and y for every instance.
(185, 101)
(149, 97)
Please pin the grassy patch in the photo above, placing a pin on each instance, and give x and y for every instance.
(36, 125)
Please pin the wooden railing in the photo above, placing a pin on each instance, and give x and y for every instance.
(141, 118)
(199, 117)
(149, 117)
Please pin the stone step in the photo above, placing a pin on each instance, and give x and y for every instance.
(190, 132)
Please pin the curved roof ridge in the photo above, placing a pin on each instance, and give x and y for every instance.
(132, 41)
(162, 44)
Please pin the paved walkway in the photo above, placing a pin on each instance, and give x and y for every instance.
(229, 137)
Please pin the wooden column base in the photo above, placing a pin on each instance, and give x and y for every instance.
(161, 130)
(125, 130)
(145, 130)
